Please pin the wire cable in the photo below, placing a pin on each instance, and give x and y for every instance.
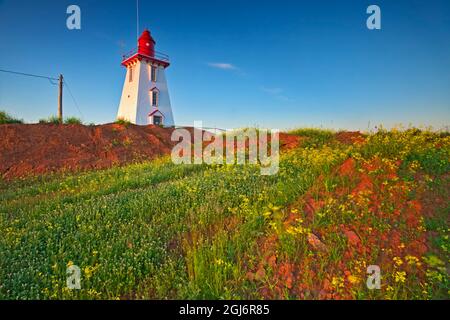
(29, 75)
(73, 98)
(50, 79)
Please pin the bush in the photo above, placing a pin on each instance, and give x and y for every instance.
(72, 120)
(7, 119)
(122, 121)
(50, 120)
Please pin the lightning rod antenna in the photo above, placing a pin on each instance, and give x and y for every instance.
(137, 20)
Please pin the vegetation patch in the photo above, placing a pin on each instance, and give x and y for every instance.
(163, 231)
(8, 119)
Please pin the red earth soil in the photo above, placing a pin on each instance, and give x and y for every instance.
(289, 141)
(36, 149)
(350, 137)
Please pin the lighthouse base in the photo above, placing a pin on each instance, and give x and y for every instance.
(145, 97)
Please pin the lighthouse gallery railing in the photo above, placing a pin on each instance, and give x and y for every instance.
(158, 55)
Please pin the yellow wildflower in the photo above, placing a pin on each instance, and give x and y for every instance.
(398, 261)
(353, 279)
(337, 282)
(411, 260)
(400, 276)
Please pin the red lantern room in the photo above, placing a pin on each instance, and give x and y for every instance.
(146, 51)
(146, 44)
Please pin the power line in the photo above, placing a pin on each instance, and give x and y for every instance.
(51, 81)
(29, 75)
(73, 98)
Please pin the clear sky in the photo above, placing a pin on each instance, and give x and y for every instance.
(277, 64)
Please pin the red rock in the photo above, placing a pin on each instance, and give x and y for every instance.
(347, 168)
(352, 238)
(315, 242)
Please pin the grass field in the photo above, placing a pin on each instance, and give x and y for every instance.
(157, 230)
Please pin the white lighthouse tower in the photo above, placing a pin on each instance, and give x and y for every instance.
(145, 96)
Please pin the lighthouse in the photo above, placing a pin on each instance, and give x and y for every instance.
(145, 96)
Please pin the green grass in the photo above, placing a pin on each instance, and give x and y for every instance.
(8, 119)
(315, 137)
(72, 120)
(123, 122)
(160, 230)
(50, 120)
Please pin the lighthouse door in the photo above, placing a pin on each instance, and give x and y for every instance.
(157, 120)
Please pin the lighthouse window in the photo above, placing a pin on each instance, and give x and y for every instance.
(153, 71)
(154, 98)
(130, 73)
(157, 120)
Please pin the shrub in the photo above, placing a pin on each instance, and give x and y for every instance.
(7, 119)
(122, 121)
(50, 120)
(72, 120)
(115, 143)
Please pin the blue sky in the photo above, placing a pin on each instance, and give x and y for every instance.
(277, 64)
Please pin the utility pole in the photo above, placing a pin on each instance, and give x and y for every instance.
(60, 99)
